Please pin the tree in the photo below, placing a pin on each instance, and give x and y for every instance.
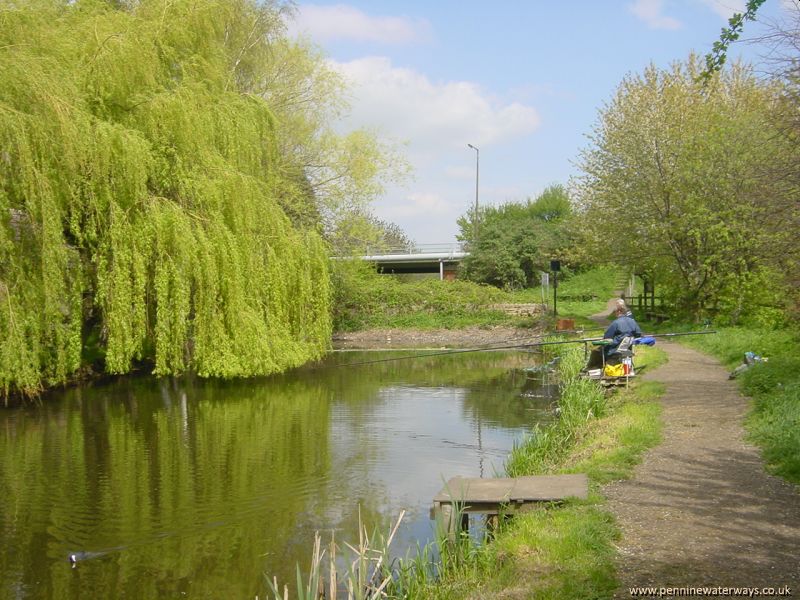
(167, 170)
(360, 233)
(343, 172)
(670, 183)
(780, 174)
(517, 240)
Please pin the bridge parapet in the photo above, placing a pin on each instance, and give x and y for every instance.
(416, 249)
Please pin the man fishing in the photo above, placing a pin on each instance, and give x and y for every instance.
(623, 326)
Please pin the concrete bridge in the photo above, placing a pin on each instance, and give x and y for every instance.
(422, 258)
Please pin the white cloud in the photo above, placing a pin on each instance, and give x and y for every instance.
(343, 22)
(431, 116)
(725, 8)
(650, 11)
(456, 172)
(415, 205)
(436, 120)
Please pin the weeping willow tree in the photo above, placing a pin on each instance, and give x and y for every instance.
(147, 200)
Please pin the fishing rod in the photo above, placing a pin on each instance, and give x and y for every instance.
(656, 335)
(490, 347)
(484, 348)
(704, 332)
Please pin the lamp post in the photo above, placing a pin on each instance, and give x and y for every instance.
(477, 179)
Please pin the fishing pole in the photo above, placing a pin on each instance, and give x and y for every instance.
(490, 347)
(705, 332)
(656, 335)
(503, 345)
(442, 353)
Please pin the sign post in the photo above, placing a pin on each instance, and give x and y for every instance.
(555, 267)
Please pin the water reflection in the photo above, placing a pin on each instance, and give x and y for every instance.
(180, 486)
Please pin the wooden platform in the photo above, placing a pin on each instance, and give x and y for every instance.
(503, 495)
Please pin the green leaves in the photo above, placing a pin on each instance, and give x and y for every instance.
(142, 195)
(715, 59)
(516, 241)
(671, 186)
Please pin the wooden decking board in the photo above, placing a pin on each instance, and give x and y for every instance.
(501, 495)
(502, 490)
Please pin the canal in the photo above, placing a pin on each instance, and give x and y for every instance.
(187, 488)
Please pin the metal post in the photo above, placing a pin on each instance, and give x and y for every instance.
(441, 269)
(555, 287)
(477, 180)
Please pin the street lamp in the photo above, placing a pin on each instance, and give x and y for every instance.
(477, 179)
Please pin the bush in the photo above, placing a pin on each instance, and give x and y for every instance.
(364, 298)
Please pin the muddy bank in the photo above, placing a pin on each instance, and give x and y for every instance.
(469, 337)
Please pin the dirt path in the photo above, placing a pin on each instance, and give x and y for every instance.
(700, 509)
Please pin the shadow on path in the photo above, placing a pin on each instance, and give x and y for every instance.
(700, 509)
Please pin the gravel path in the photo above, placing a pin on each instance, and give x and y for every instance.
(700, 509)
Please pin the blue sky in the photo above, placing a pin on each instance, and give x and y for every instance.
(522, 81)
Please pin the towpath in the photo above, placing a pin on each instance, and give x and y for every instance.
(700, 509)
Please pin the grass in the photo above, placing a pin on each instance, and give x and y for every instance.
(363, 575)
(581, 294)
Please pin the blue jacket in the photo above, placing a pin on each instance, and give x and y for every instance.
(621, 327)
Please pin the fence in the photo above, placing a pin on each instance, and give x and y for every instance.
(648, 305)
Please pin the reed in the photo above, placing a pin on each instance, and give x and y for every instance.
(364, 573)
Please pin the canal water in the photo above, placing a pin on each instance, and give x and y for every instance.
(186, 488)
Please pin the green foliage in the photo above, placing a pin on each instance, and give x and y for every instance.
(775, 426)
(365, 299)
(359, 233)
(715, 59)
(517, 240)
(142, 187)
(671, 185)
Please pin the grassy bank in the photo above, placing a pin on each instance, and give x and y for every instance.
(365, 300)
(774, 420)
(565, 552)
(581, 294)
